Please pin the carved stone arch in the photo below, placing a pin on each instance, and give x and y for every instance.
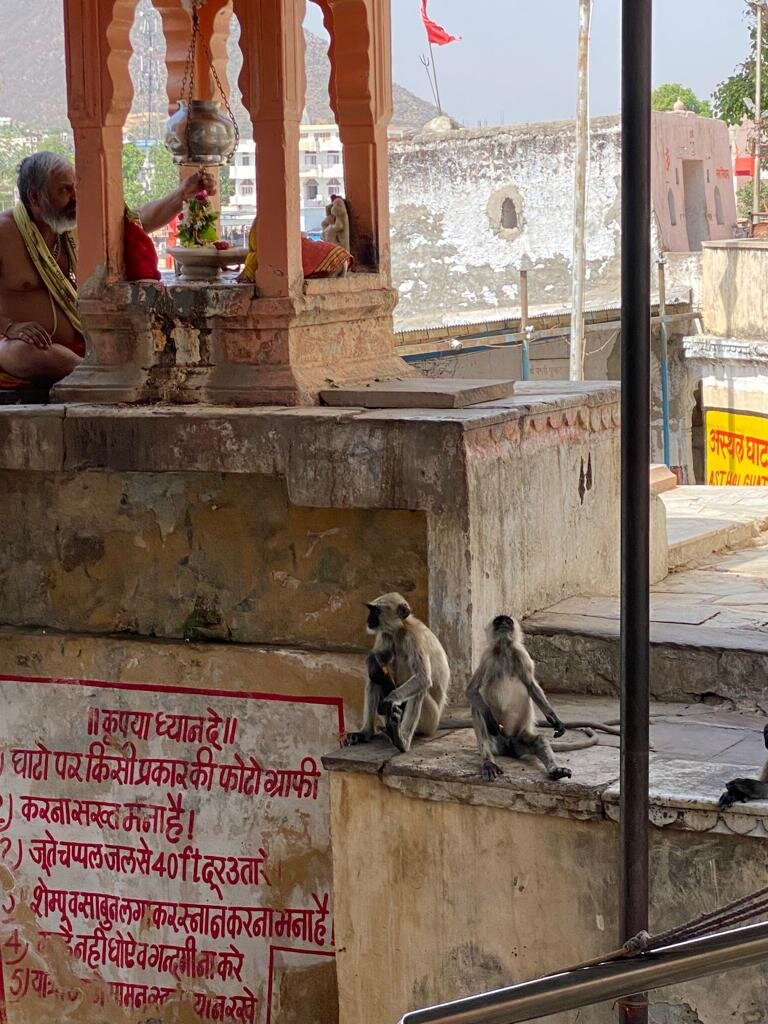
(273, 78)
(360, 93)
(360, 89)
(98, 52)
(273, 86)
(327, 13)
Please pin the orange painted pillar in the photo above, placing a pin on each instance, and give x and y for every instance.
(361, 98)
(273, 85)
(99, 94)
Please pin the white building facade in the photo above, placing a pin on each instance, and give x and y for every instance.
(321, 173)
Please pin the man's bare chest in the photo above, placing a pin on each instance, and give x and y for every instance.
(18, 273)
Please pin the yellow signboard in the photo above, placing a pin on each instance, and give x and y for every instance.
(737, 448)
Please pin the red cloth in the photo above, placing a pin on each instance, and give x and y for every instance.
(435, 34)
(139, 254)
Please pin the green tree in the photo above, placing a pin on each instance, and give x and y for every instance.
(744, 199)
(226, 184)
(59, 142)
(665, 97)
(163, 173)
(729, 96)
(133, 186)
(14, 146)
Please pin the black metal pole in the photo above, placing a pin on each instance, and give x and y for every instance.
(635, 465)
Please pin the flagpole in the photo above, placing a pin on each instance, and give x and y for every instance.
(576, 368)
(434, 75)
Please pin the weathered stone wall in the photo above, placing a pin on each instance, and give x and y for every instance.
(199, 555)
(734, 302)
(44, 982)
(484, 887)
(453, 195)
(449, 256)
(132, 536)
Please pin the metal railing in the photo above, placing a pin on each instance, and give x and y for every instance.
(554, 993)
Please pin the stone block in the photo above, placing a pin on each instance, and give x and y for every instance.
(419, 394)
(662, 479)
(511, 506)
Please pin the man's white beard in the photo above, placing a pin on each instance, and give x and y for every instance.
(58, 222)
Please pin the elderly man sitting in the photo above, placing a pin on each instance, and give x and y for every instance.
(41, 337)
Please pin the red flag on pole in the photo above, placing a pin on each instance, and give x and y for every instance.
(435, 34)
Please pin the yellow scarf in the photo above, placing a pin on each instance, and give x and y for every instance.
(55, 280)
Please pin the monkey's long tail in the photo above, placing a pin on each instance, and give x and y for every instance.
(565, 746)
(610, 727)
(589, 728)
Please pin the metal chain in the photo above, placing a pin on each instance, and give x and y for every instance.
(222, 93)
(189, 69)
(190, 72)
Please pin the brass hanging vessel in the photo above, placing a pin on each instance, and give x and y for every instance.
(199, 132)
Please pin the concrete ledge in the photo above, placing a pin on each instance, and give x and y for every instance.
(662, 479)
(684, 791)
(703, 521)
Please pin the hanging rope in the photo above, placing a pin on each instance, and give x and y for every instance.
(736, 912)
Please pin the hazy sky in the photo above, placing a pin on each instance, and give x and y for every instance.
(517, 58)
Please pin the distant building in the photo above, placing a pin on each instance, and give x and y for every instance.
(321, 171)
(320, 168)
(471, 208)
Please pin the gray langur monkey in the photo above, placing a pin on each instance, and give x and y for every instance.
(502, 694)
(408, 675)
(741, 790)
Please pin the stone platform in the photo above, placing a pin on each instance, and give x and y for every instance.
(271, 525)
(703, 520)
(210, 564)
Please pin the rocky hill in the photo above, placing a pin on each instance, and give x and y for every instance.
(32, 84)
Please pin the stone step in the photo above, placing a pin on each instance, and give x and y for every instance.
(576, 649)
(703, 521)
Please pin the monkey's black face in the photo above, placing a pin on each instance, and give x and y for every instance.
(374, 618)
(503, 624)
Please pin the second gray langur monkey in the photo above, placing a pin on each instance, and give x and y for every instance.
(502, 694)
(408, 675)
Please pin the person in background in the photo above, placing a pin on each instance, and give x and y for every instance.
(41, 335)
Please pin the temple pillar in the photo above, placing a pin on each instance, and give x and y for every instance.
(215, 17)
(99, 93)
(273, 84)
(361, 99)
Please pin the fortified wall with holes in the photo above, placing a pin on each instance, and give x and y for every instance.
(471, 208)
